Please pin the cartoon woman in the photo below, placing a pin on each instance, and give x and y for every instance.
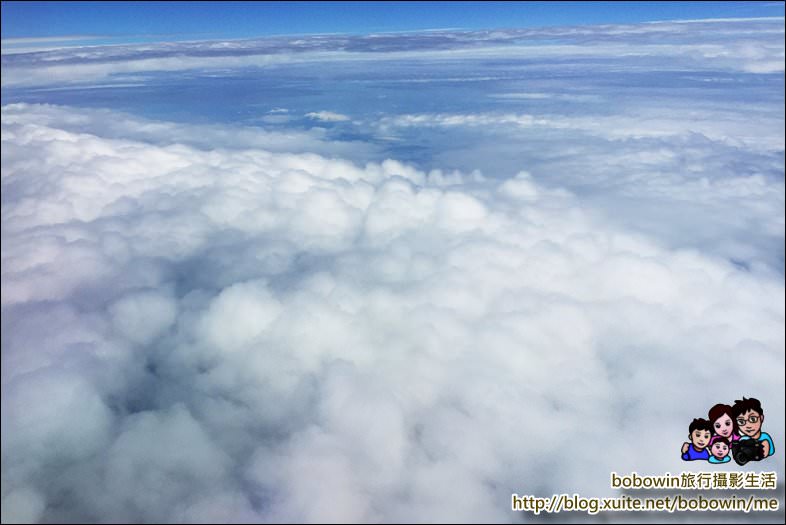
(723, 425)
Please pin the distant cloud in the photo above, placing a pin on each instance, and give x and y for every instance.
(731, 45)
(49, 39)
(762, 134)
(548, 96)
(40, 44)
(327, 116)
(670, 169)
(112, 124)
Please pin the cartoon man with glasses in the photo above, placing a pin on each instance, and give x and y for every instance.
(750, 416)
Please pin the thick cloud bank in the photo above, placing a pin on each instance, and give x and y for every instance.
(195, 333)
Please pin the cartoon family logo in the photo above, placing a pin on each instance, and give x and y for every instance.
(729, 429)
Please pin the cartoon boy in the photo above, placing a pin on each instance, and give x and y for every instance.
(700, 432)
(750, 416)
(719, 450)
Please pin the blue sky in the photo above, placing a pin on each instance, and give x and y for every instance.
(185, 20)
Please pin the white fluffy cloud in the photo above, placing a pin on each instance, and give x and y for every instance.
(327, 116)
(195, 333)
(143, 316)
(686, 173)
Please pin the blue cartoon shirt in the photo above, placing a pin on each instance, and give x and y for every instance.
(763, 437)
(725, 459)
(692, 454)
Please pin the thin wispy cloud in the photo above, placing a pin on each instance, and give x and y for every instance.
(727, 46)
(327, 116)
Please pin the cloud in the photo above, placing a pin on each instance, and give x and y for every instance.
(115, 124)
(541, 96)
(761, 134)
(40, 44)
(327, 116)
(238, 333)
(204, 319)
(688, 173)
(143, 316)
(739, 45)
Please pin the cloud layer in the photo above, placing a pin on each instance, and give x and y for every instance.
(274, 281)
(740, 45)
(197, 334)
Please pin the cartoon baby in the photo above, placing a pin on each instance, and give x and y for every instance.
(719, 450)
(700, 432)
